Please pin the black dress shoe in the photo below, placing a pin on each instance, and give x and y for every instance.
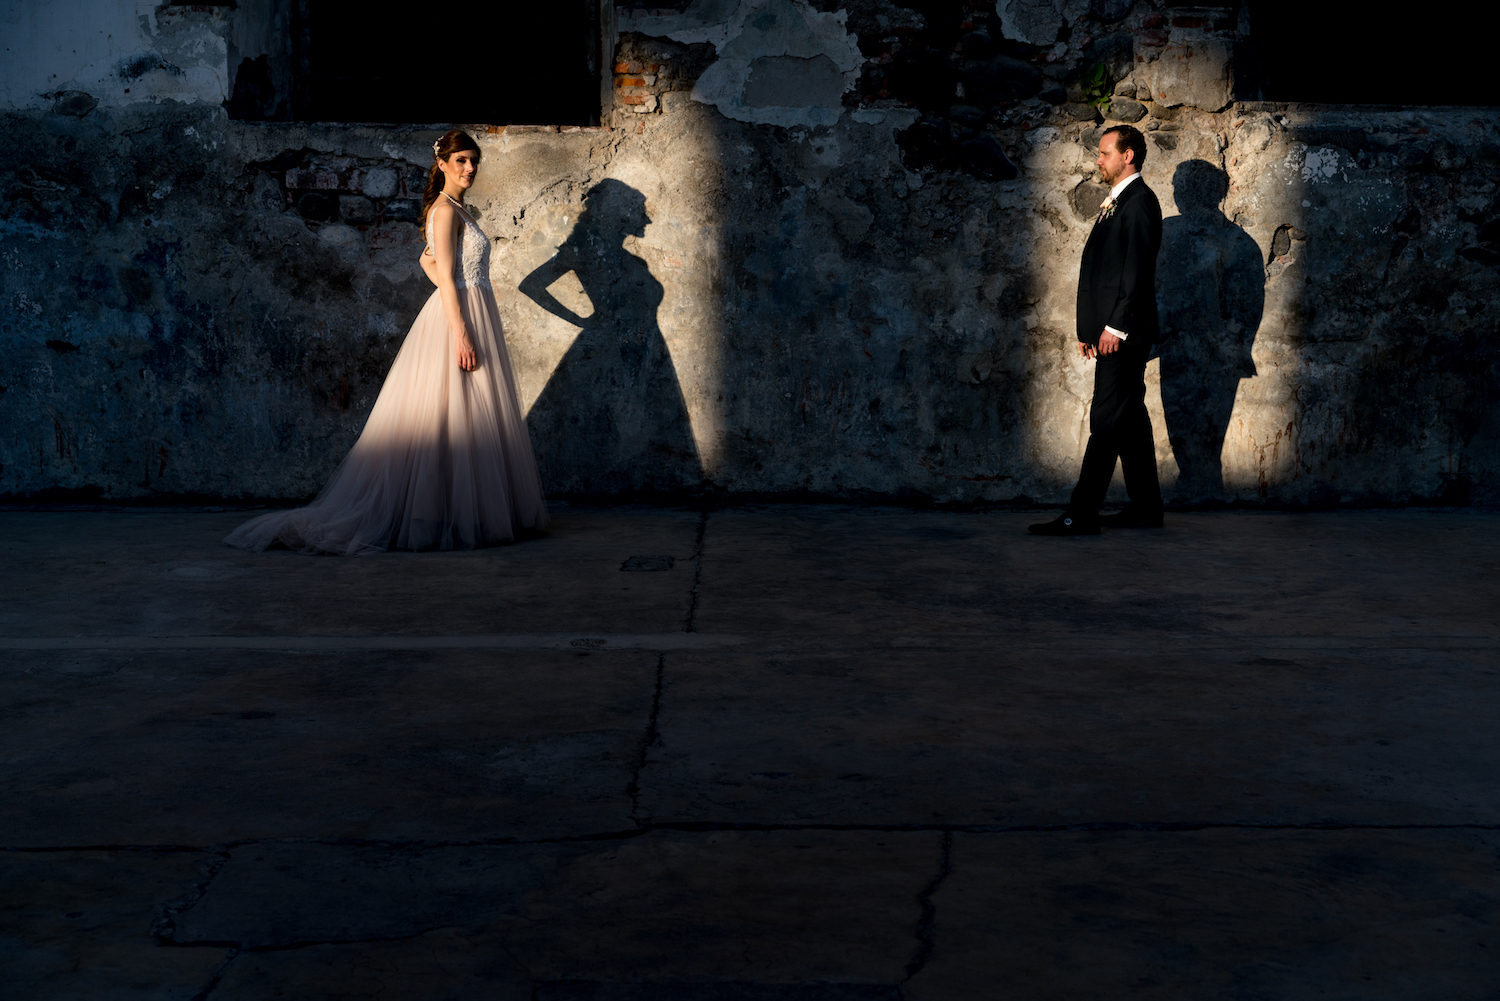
(1132, 518)
(1066, 524)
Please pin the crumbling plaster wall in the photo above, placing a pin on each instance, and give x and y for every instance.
(113, 53)
(763, 297)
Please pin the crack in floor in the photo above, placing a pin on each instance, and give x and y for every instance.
(216, 977)
(710, 827)
(302, 944)
(236, 951)
(928, 921)
(165, 925)
(649, 739)
(688, 624)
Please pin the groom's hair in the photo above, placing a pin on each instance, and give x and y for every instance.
(1129, 137)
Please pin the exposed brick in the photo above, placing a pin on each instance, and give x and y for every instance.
(628, 68)
(636, 92)
(647, 104)
(1151, 39)
(299, 179)
(1182, 21)
(1153, 21)
(635, 81)
(633, 99)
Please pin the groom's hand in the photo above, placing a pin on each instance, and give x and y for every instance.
(1109, 343)
(1086, 350)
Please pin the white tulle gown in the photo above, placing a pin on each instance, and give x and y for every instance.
(444, 461)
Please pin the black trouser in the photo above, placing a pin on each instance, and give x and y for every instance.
(1119, 428)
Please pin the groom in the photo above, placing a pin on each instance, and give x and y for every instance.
(1117, 326)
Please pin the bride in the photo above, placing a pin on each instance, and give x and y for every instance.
(444, 461)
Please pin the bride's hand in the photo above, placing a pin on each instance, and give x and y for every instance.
(466, 357)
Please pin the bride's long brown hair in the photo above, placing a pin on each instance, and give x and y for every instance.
(452, 142)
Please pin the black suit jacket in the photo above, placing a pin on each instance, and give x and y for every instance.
(1117, 279)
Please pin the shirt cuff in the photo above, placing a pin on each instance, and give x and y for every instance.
(1122, 335)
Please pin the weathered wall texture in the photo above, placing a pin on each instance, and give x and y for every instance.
(857, 295)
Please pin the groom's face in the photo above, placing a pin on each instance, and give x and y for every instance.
(1112, 161)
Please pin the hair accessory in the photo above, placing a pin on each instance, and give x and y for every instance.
(435, 151)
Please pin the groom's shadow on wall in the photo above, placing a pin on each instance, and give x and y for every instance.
(1211, 290)
(611, 418)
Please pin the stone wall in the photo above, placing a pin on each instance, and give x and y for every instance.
(864, 294)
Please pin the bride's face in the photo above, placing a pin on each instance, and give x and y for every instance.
(459, 168)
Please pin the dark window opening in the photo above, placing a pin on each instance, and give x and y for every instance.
(500, 64)
(1309, 51)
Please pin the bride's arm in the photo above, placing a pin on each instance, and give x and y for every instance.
(445, 250)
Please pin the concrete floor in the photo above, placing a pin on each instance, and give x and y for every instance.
(831, 754)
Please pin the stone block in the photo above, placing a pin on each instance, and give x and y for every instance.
(646, 105)
(675, 100)
(402, 210)
(356, 209)
(1086, 198)
(1447, 157)
(342, 236)
(1123, 109)
(1080, 112)
(1037, 22)
(381, 182)
(1191, 73)
(1415, 156)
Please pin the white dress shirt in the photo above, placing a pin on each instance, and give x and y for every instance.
(1114, 195)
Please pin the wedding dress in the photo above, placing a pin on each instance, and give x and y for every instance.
(445, 461)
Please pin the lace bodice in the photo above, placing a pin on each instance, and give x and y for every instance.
(473, 266)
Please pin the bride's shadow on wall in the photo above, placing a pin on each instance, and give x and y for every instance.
(1211, 289)
(612, 418)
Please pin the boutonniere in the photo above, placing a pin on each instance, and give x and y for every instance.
(1106, 210)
